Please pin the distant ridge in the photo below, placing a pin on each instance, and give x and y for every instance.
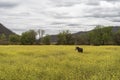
(54, 37)
(115, 28)
(4, 30)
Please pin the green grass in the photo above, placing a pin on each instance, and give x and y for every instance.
(59, 63)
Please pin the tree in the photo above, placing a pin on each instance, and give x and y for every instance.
(69, 38)
(97, 35)
(46, 40)
(61, 38)
(89, 37)
(82, 39)
(14, 39)
(28, 37)
(117, 37)
(41, 33)
(3, 37)
(65, 38)
(101, 35)
(107, 35)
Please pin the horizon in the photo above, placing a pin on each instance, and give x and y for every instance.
(54, 16)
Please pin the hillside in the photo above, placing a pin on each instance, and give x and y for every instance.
(54, 37)
(4, 30)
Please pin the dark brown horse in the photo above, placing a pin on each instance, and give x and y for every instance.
(79, 49)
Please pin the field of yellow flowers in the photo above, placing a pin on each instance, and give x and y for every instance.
(59, 63)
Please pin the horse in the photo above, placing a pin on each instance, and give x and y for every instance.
(79, 49)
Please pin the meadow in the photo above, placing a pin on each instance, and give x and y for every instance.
(59, 63)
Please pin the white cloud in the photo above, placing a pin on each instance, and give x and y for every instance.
(56, 15)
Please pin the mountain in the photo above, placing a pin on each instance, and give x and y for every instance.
(4, 30)
(54, 37)
(115, 28)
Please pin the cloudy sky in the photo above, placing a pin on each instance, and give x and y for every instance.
(56, 15)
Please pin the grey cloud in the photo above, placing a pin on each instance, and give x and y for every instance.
(63, 16)
(115, 19)
(112, 0)
(74, 25)
(64, 24)
(97, 2)
(93, 2)
(21, 14)
(53, 14)
(7, 5)
(102, 12)
(57, 15)
(57, 23)
(18, 29)
(65, 3)
(103, 15)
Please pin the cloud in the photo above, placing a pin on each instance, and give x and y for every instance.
(65, 3)
(112, 0)
(57, 15)
(74, 25)
(8, 4)
(92, 2)
(104, 15)
(115, 19)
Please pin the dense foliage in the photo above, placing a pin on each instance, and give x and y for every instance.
(101, 35)
(65, 38)
(28, 37)
(117, 38)
(46, 40)
(14, 39)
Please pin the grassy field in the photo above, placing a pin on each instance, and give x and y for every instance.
(59, 63)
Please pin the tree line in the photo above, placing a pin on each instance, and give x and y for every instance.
(101, 35)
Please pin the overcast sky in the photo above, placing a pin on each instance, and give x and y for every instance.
(56, 15)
